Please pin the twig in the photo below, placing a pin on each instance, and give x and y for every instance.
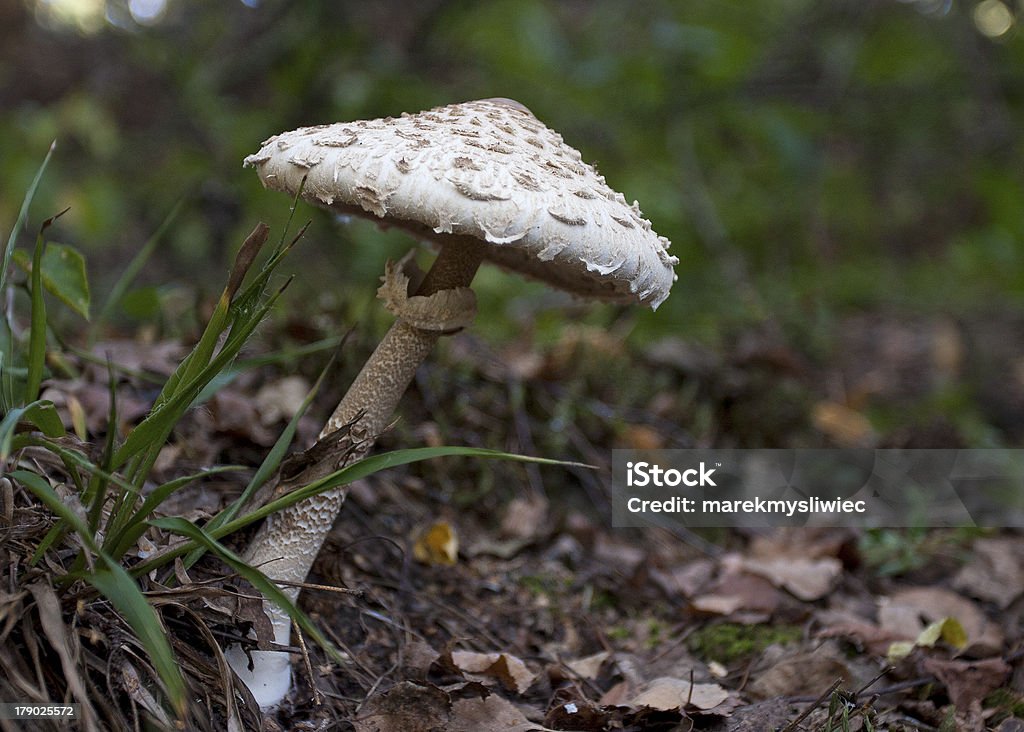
(814, 705)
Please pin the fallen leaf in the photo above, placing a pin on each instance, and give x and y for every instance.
(234, 413)
(580, 714)
(438, 544)
(803, 542)
(907, 613)
(405, 707)
(492, 714)
(807, 579)
(281, 399)
(525, 518)
(590, 666)
(668, 693)
(737, 590)
(995, 572)
(506, 668)
(844, 624)
(968, 682)
(684, 580)
(800, 672)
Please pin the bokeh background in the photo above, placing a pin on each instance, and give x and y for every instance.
(843, 181)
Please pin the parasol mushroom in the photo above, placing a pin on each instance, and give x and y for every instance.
(482, 180)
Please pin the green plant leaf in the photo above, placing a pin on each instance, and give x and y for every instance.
(63, 271)
(37, 327)
(40, 413)
(22, 215)
(135, 526)
(132, 270)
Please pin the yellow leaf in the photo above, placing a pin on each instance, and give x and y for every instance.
(439, 544)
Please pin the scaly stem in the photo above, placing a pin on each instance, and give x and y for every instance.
(287, 543)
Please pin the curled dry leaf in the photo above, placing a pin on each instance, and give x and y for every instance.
(590, 666)
(509, 670)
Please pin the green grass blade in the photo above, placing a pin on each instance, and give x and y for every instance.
(150, 434)
(96, 496)
(203, 352)
(41, 413)
(23, 215)
(37, 328)
(132, 270)
(114, 583)
(135, 526)
(258, 580)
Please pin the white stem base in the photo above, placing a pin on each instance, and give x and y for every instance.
(271, 677)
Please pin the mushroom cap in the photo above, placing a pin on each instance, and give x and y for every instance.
(487, 170)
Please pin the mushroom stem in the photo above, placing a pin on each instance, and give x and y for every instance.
(288, 542)
(378, 388)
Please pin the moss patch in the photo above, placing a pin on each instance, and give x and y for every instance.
(731, 642)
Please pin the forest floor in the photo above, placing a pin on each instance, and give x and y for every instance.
(488, 595)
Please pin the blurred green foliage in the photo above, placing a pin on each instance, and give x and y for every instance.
(805, 157)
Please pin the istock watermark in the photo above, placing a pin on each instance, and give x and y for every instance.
(842, 487)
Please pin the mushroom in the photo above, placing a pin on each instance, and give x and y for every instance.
(481, 180)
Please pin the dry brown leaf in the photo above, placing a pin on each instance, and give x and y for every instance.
(717, 604)
(579, 714)
(417, 658)
(995, 572)
(737, 591)
(844, 624)
(405, 707)
(493, 714)
(809, 543)
(617, 696)
(235, 414)
(807, 579)
(281, 399)
(799, 672)
(509, 670)
(58, 634)
(590, 666)
(684, 580)
(525, 518)
(968, 682)
(668, 693)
